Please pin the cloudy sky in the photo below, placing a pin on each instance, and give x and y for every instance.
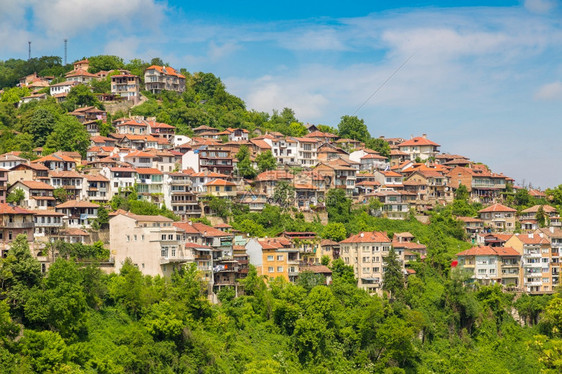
(481, 78)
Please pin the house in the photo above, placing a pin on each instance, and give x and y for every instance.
(419, 148)
(274, 258)
(179, 197)
(126, 85)
(437, 186)
(33, 97)
(57, 161)
(150, 184)
(528, 217)
(483, 185)
(62, 89)
(152, 243)
(472, 227)
(160, 78)
(489, 265)
(394, 204)
(220, 188)
(79, 213)
(9, 160)
(498, 217)
(307, 149)
(48, 224)
(38, 195)
(80, 76)
(536, 261)
(373, 161)
(366, 251)
(71, 181)
(82, 65)
(30, 171)
(97, 188)
(14, 221)
(554, 236)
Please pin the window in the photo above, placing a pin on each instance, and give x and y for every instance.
(164, 252)
(174, 252)
(163, 236)
(270, 269)
(128, 238)
(279, 269)
(279, 257)
(269, 258)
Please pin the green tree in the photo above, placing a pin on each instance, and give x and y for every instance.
(284, 194)
(251, 228)
(308, 280)
(245, 167)
(522, 198)
(393, 279)
(541, 217)
(461, 193)
(16, 196)
(46, 351)
(379, 145)
(60, 194)
(353, 128)
(338, 205)
(266, 161)
(69, 135)
(41, 125)
(14, 95)
(104, 62)
(79, 96)
(335, 231)
(343, 273)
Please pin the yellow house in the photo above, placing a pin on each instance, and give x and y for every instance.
(221, 188)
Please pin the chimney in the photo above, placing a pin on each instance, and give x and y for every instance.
(362, 235)
(551, 229)
(531, 236)
(424, 136)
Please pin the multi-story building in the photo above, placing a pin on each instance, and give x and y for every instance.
(160, 78)
(48, 224)
(78, 213)
(179, 197)
(126, 85)
(395, 204)
(528, 217)
(14, 221)
(535, 249)
(307, 151)
(472, 226)
(554, 235)
(71, 181)
(498, 217)
(482, 185)
(97, 188)
(419, 148)
(152, 243)
(489, 265)
(150, 184)
(366, 252)
(274, 258)
(38, 195)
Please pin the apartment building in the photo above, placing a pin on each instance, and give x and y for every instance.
(152, 243)
(366, 252)
(489, 265)
(126, 85)
(274, 258)
(498, 217)
(160, 78)
(38, 195)
(78, 213)
(14, 221)
(419, 148)
(535, 250)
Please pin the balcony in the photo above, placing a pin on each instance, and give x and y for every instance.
(532, 255)
(534, 265)
(534, 283)
(174, 259)
(18, 225)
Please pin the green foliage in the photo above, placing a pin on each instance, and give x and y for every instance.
(220, 207)
(245, 167)
(266, 161)
(334, 231)
(60, 194)
(68, 135)
(351, 127)
(104, 62)
(462, 193)
(16, 196)
(284, 194)
(379, 145)
(14, 94)
(338, 205)
(393, 280)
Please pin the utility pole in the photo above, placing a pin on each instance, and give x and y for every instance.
(28, 50)
(65, 45)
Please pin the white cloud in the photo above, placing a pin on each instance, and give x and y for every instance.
(549, 91)
(69, 18)
(540, 6)
(217, 52)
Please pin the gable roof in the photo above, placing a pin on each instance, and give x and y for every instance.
(368, 237)
(497, 208)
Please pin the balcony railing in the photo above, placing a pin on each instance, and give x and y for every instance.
(18, 225)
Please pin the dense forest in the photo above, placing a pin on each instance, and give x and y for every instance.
(77, 319)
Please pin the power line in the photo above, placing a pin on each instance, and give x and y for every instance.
(384, 83)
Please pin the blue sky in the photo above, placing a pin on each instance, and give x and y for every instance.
(484, 79)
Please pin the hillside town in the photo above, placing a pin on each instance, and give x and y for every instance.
(58, 197)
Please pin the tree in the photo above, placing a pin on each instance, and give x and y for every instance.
(393, 280)
(220, 207)
(541, 217)
(251, 228)
(16, 196)
(461, 193)
(522, 198)
(379, 145)
(308, 280)
(14, 95)
(69, 135)
(60, 194)
(81, 95)
(284, 194)
(41, 125)
(266, 161)
(353, 128)
(335, 231)
(338, 205)
(343, 273)
(104, 62)
(245, 167)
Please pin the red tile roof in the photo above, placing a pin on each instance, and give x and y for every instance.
(497, 208)
(12, 209)
(368, 237)
(419, 140)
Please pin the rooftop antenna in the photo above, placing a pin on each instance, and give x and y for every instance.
(65, 45)
(28, 50)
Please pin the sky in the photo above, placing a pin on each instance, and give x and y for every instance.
(481, 78)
